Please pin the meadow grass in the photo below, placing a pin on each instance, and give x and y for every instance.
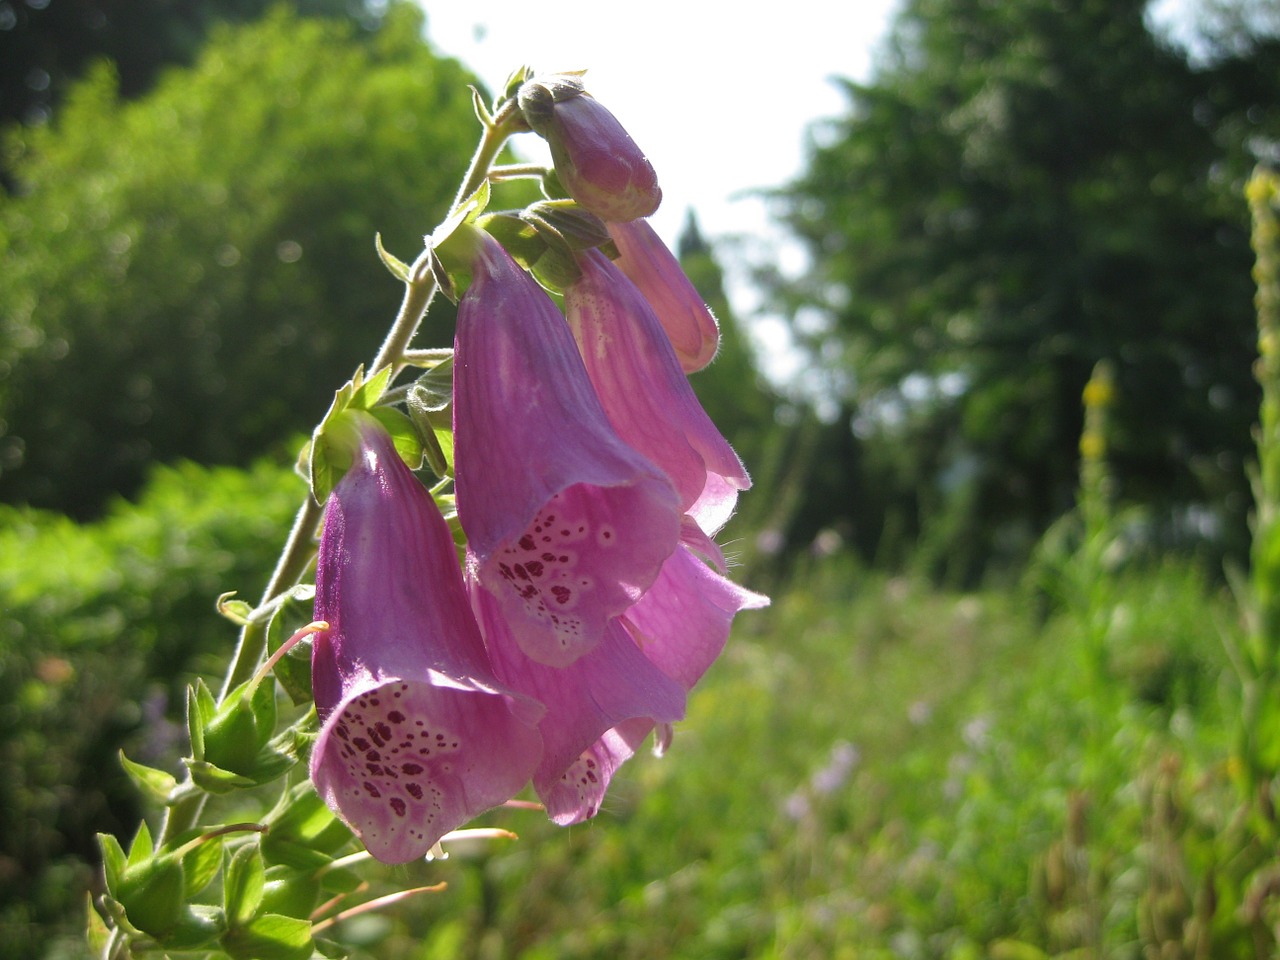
(878, 769)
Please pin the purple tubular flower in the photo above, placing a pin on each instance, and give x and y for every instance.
(645, 393)
(609, 687)
(682, 623)
(688, 321)
(595, 158)
(680, 626)
(566, 524)
(417, 735)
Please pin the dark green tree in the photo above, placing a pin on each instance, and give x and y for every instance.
(191, 274)
(1022, 189)
(45, 45)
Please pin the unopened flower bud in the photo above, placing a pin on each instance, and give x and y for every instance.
(596, 160)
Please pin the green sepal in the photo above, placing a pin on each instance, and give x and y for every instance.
(335, 440)
(142, 848)
(113, 859)
(430, 405)
(201, 708)
(302, 831)
(201, 863)
(399, 269)
(331, 950)
(198, 927)
(96, 933)
(290, 892)
(453, 244)
(213, 779)
(237, 611)
(242, 884)
(270, 936)
(158, 784)
(152, 893)
(241, 727)
(341, 880)
(403, 434)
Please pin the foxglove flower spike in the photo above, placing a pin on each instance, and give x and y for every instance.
(417, 735)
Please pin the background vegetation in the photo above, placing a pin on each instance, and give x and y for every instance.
(1004, 705)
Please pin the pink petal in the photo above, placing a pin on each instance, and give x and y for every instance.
(612, 684)
(417, 736)
(651, 266)
(567, 525)
(683, 621)
(645, 393)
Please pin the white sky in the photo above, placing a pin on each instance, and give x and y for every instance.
(682, 76)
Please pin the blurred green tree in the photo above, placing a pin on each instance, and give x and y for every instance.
(1022, 189)
(191, 273)
(45, 47)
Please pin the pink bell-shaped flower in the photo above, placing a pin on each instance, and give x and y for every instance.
(608, 687)
(595, 158)
(680, 626)
(417, 735)
(645, 393)
(651, 266)
(566, 524)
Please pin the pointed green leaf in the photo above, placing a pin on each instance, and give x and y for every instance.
(242, 885)
(97, 932)
(113, 860)
(197, 927)
(214, 779)
(157, 783)
(399, 269)
(403, 435)
(142, 847)
(201, 864)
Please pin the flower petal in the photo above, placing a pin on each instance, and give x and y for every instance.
(685, 316)
(645, 393)
(417, 736)
(612, 684)
(567, 525)
(683, 621)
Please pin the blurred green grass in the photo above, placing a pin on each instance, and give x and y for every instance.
(875, 768)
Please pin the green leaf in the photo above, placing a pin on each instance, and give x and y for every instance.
(271, 936)
(159, 784)
(403, 435)
(97, 932)
(201, 863)
(214, 779)
(113, 860)
(142, 847)
(242, 885)
(399, 269)
(237, 611)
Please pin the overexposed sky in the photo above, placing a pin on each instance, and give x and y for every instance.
(683, 78)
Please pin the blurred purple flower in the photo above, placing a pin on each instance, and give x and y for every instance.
(567, 525)
(646, 394)
(652, 267)
(417, 735)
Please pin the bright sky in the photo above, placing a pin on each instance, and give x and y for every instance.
(682, 76)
